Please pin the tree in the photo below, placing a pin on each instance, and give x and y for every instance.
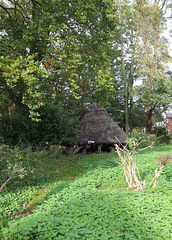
(125, 61)
(72, 44)
(138, 45)
(21, 81)
(170, 17)
(156, 87)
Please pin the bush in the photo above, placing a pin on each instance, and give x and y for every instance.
(25, 159)
(56, 126)
(143, 139)
(15, 128)
(162, 134)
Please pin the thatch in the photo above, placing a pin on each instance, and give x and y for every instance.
(97, 127)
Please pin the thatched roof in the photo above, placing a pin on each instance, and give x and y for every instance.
(96, 126)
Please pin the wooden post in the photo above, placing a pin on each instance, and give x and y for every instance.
(84, 150)
(99, 148)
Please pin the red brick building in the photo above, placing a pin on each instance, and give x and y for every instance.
(169, 122)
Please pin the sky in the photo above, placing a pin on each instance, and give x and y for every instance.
(169, 27)
(166, 32)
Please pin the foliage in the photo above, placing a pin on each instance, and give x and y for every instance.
(91, 205)
(22, 79)
(24, 159)
(17, 128)
(125, 67)
(71, 47)
(9, 163)
(15, 172)
(162, 134)
(12, 202)
(56, 126)
(75, 56)
(143, 139)
(141, 81)
(64, 221)
(163, 162)
(155, 91)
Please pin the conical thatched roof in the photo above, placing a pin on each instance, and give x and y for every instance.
(96, 126)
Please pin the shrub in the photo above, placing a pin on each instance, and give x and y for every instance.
(56, 126)
(143, 139)
(24, 159)
(128, 160)
(15, 128)
(162, 134)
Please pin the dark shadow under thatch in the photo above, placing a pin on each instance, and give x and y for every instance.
(97, 127)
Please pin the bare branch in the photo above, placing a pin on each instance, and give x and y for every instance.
(150, 146)
(128, 163)
(16, 172)
(4, 184)
(157, 175)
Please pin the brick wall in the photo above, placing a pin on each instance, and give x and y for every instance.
(169, 125)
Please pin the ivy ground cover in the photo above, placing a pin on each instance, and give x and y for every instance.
(98, 206)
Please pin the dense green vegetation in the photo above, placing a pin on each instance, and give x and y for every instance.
(72, 53)
(86, 197)
(57, 57)
(56, 126)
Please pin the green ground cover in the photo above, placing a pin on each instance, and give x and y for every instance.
(86, 197)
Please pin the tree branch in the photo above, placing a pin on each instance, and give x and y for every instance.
(34, 1)
(6, 10)
(16, 172)
(15, 9)
(17, 4)
(157, 174)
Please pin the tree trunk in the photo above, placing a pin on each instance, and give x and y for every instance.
(125, 87)
(147, 64)
(131, 82)
(148, 119)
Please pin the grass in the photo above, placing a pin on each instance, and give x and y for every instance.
(86, 197)
(66, 168)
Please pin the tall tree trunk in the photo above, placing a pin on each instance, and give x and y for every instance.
(125, 87)
(131, 82)
(148, 108)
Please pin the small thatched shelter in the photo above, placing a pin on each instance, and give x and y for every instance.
(98, 130)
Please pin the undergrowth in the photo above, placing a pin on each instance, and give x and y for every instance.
(92, 202)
